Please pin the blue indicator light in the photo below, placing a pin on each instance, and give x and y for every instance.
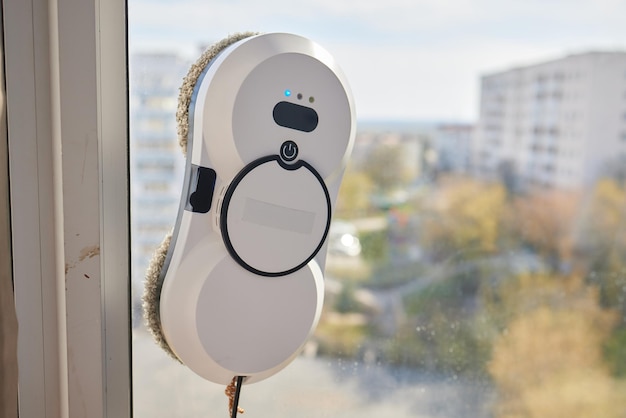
(287, 92)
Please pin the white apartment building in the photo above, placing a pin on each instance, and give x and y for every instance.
(156, 161)
(558, 124)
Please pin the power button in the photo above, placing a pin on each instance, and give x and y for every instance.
(288, 151)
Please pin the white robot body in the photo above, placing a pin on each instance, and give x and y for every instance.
(271, 127)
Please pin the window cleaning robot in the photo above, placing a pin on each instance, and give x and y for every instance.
(267, 124)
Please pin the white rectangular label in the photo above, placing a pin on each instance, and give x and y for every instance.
(279, 217)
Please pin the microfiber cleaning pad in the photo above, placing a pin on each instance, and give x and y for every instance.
(154, 276)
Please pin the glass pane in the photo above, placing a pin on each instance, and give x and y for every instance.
(476, 258)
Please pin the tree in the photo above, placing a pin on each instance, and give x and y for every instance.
(385, 165)
(354, 194)
(601, 253)
(544, 220)
(548, 361)
(463, 218)
(601, 242)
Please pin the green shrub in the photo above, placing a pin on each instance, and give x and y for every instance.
(374, 246)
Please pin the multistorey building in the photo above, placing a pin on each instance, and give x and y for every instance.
(157, 163)
(561, 123)
(452, 143)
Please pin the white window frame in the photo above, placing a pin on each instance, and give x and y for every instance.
(67, 115)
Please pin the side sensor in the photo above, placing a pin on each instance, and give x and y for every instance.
(201, 198)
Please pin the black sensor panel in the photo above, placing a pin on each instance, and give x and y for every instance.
(294, 116)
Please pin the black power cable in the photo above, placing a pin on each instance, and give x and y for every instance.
(237, 393)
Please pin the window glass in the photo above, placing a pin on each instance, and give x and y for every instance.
(476, 262)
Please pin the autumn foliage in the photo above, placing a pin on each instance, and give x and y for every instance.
(548, 361)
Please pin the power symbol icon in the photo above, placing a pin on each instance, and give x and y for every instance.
(289, 151)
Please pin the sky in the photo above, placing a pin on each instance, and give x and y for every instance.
(404, 59)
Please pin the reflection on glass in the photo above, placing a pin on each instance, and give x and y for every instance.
(474, 269)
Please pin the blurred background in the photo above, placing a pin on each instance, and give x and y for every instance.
(477, 260)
